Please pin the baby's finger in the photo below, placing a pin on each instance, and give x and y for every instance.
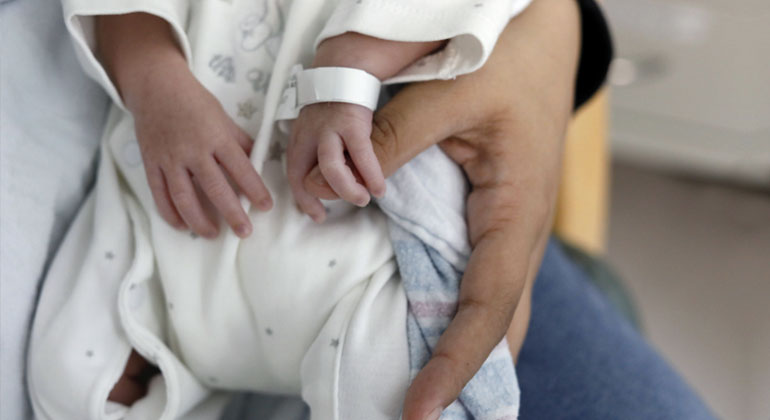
(331, 161)
(185, 199)
(316, 184)
(159, 189)
(299, 160)
(238, 165)
(244, 140)
(362, 153)
(213, 182)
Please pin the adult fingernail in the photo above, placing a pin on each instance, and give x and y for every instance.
(435, 414)
(266, 204)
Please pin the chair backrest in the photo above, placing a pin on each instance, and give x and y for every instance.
(581, 210)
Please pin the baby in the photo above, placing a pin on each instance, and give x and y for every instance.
(333, 136)
(278, 303)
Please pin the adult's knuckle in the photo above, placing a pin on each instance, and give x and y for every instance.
(455, 366)
(496, 313)
(384, 127)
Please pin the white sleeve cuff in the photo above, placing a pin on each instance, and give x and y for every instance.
(79, 19)
(472, 26)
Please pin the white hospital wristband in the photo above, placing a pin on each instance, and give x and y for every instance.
(327, 84)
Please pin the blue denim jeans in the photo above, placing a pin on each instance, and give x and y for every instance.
(582, 360)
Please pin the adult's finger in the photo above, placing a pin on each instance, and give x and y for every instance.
(503, 259)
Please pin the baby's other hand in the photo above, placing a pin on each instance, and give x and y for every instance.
(187, 138)
(336, 137)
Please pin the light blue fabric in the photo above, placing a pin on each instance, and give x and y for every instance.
(51, 119)
(425, 203)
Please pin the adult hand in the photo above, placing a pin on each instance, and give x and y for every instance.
(505, 126)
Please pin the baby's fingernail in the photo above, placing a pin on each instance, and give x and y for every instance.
(318, 217)
(435, 414)
(243, 230)
(265, 204)
(363, 201)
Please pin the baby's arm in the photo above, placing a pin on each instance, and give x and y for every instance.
(324, 132)
(182, 130)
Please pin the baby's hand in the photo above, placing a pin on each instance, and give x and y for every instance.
(186, 138)
(336, 136)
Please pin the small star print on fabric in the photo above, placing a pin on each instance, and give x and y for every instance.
(332, 263)
(269, 331)
(246, 109)
(335, 343)
(109, 255)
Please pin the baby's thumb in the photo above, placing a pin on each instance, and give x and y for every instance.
(419, 116)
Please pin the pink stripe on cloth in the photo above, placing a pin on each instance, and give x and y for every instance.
(433, 309)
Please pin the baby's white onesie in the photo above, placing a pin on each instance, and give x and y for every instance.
(296, 308)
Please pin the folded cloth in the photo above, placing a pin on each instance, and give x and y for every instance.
(425, 204)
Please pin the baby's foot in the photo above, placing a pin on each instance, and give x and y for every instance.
(132, 385)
